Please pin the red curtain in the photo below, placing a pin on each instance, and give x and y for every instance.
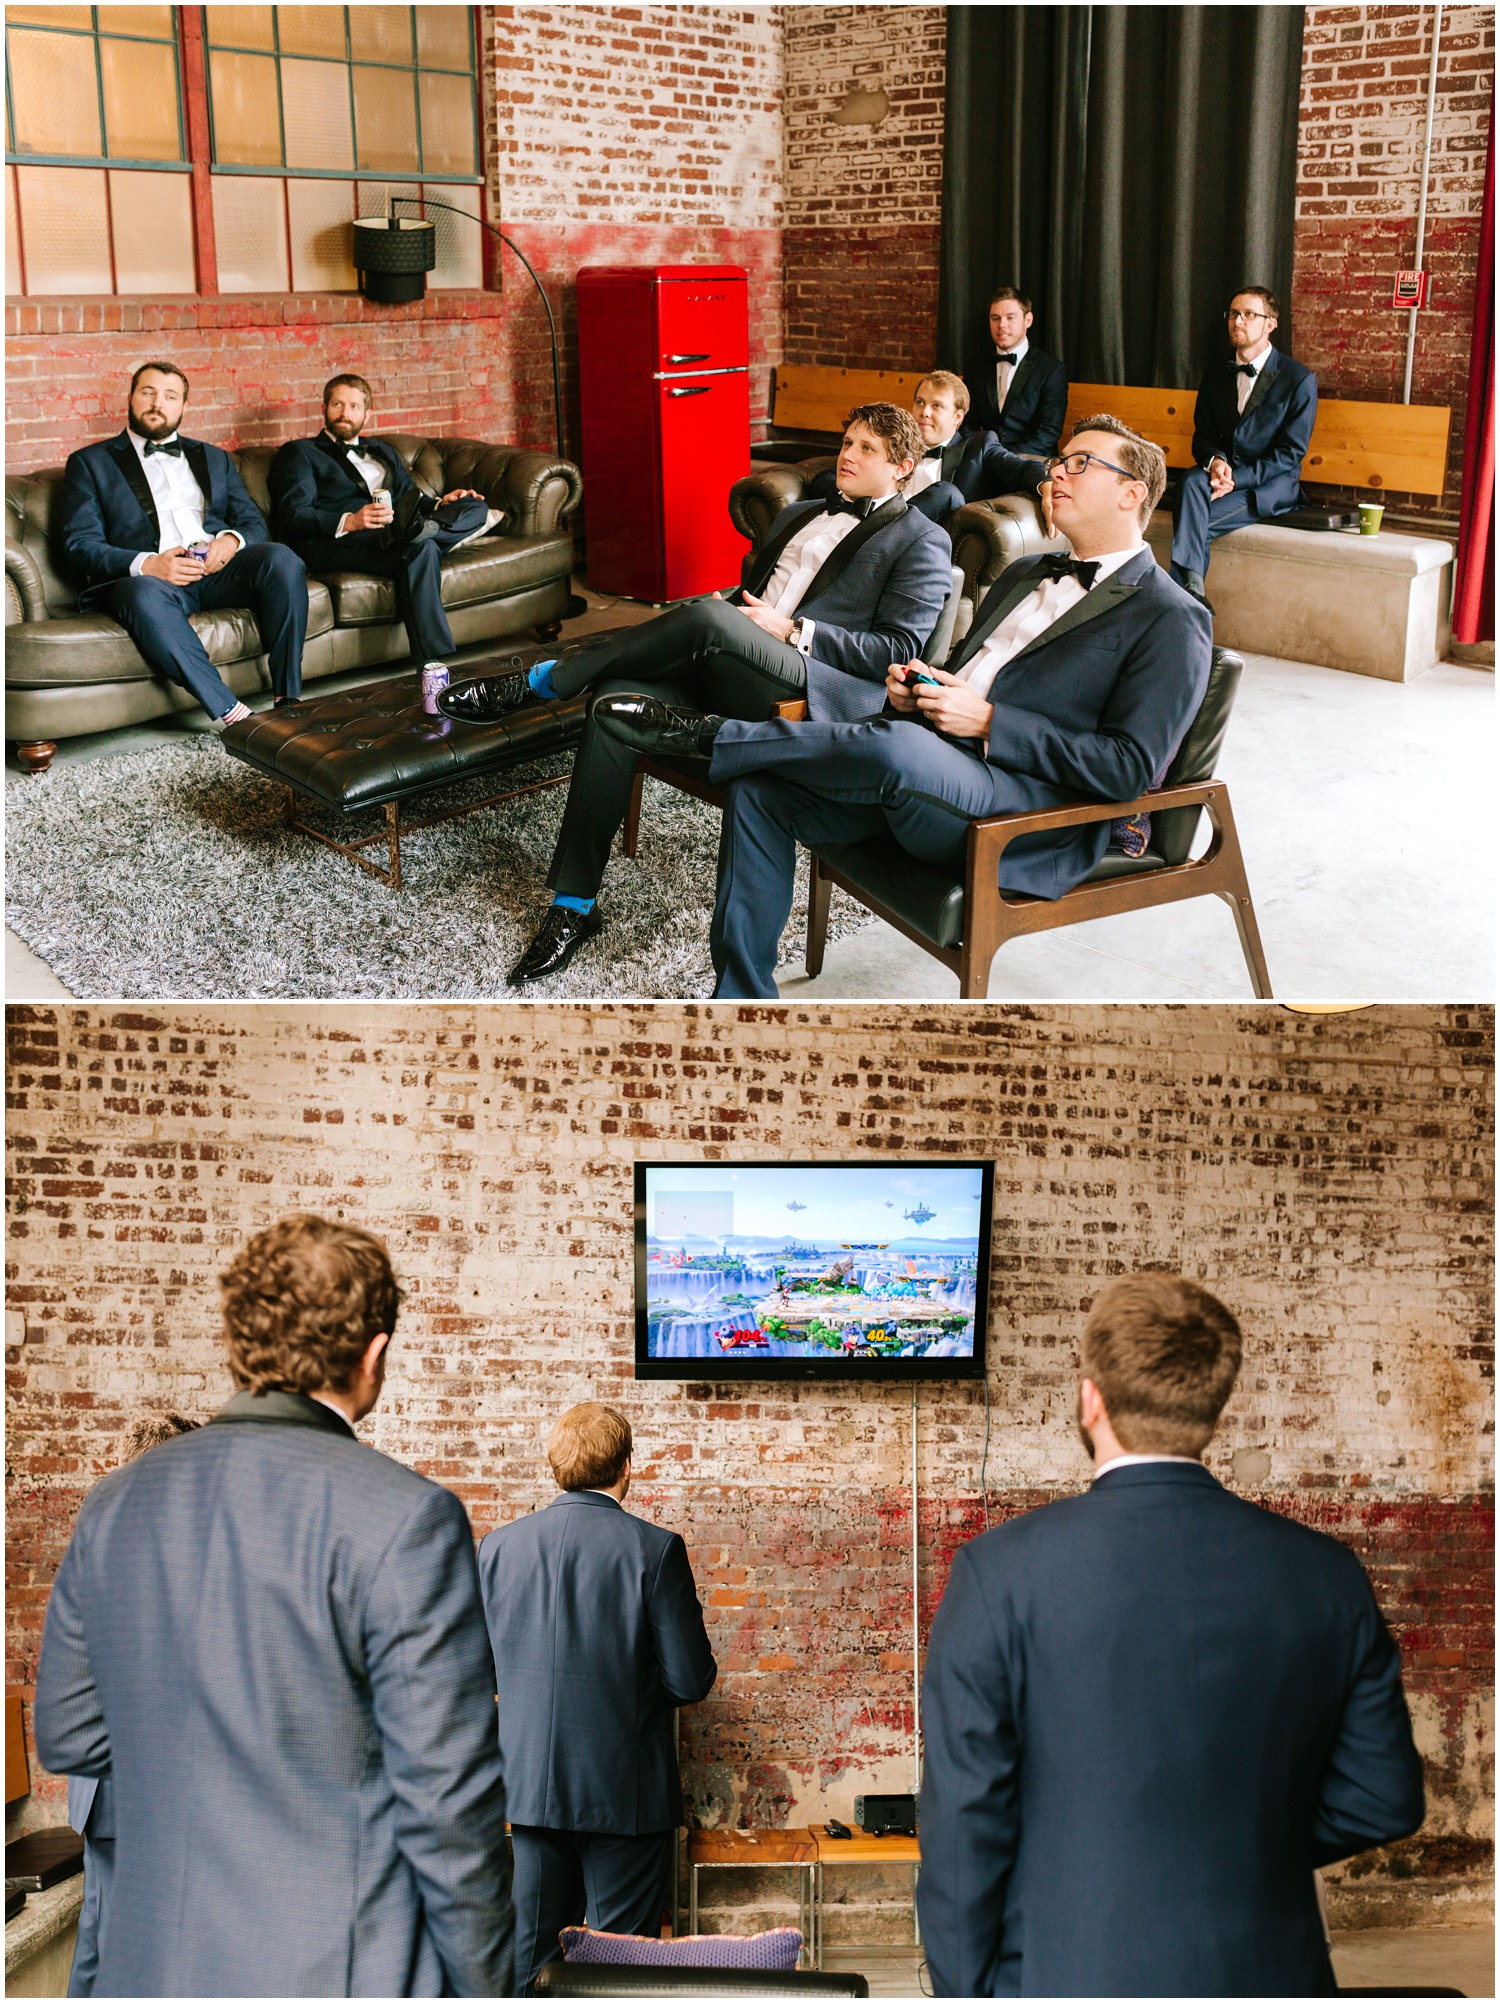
(1474, 599)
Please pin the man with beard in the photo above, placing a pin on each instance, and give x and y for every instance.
(346, 502)
(157, 526)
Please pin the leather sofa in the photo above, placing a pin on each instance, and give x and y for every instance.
(68, 673)
(987, 536)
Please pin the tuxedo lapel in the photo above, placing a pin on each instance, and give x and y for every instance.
(196, 455)
(765, 559)
(955, 452)
(1103, 598)
(1020, 375)
(843, 553)
(134, 475)
(336, 452)
(1002, 597)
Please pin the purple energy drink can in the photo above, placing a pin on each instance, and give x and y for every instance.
(434, 681)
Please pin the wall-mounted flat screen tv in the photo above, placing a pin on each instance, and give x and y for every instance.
(875, 1269)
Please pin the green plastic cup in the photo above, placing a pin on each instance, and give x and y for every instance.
(1370, 513)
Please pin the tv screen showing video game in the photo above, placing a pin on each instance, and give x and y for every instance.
(792, 1269)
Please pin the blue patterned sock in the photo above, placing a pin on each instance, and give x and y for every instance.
(539, 680)
(583, 904)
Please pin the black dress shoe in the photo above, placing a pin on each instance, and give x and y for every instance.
(406, 521)
(558, 938)
(659, 728)
(488, 699)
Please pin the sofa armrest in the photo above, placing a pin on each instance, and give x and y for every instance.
(25, 596)
(988, 536)
(537, 491)
(756, 501)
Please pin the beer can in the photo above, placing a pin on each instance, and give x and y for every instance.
(434, 681)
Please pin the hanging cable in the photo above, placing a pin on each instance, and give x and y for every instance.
(984, 1459)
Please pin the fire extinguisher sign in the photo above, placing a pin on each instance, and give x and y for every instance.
(1411, 289)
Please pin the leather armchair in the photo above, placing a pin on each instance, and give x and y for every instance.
(69, 672)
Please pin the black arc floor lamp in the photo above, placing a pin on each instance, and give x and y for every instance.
(393, 255)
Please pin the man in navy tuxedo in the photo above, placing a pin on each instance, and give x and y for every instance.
(598, 1639)
(1015, 390)
(157, 527)
(1153, 1710)
(1077, 681)
(1252, 425)
(955, 466)
(270, 1636)
(834, 594)
(323, 503)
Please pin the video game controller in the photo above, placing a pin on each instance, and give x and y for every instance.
(837, 1828)
(916, 672)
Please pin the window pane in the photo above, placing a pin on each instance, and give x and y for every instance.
(153, 21)
(385, 119)
(321, 213)
(315, 114)
(67, 229)
(240, 27)
(444, 37)
(373, 198)
(247, 132)
(381, 34)
(54, 93)
(52, 17)
(460, 245)
(447, 125)
(311, 31)
(12, 236)
(153, 218)
(250, 233)
(140, 100)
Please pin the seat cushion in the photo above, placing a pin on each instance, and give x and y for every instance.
(490, 568)
(91, 647)
(777, 1948)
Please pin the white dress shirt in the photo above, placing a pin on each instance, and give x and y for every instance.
(1244, 386)
(800, 562)
(1145, 1460)
(374, 472)
(928, 471)
(1042, 607)
(178, 497)
(1005, 372)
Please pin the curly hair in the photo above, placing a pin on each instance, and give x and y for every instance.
(895, 428)
(302, 1303)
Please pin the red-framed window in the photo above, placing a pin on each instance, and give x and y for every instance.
(162, 150)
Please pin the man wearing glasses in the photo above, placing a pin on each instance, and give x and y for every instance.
(1078, 680)
(1252, 425)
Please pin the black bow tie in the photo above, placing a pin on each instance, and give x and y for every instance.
(866, 504)
(1242, 368)
(1007, 355)
(1068, 566)
(934, 451)
(165, 445)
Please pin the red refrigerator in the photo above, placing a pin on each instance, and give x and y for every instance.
(663, 353)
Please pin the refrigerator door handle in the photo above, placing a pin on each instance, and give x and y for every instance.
(661, 376)
(687, 358)
(701, 390)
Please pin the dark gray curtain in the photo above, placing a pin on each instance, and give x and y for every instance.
(1127, 168)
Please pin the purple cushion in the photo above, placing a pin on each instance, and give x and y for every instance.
(777, 1949)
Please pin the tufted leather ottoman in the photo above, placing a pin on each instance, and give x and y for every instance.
(378, 747)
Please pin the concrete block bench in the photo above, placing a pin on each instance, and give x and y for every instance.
(1371, 605)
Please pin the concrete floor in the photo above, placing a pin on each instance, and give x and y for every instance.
(1381, 1958)
(1364, 814)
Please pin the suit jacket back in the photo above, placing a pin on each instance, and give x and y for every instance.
(271, 1637)
(1151, 1711)
(598, 1637)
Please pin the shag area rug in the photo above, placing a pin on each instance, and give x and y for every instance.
(171, 872)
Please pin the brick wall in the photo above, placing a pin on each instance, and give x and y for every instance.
(612, 135)
(863, 200)
(1330, 1176)
(1364, 107)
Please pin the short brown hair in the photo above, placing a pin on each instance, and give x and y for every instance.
(302, 1303)
(1142, 459)
(1010, 292)
(589, 1446)
(154, 1429)
(1264, 294)
(895, 428)
(1163, 1354)
(162, 369)
(957, 388)
(347, 382)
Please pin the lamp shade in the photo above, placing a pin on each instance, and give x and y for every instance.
(393, 256)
